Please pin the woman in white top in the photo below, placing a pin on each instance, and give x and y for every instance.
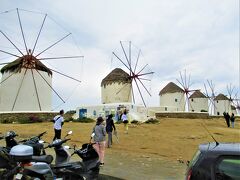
(125, 121)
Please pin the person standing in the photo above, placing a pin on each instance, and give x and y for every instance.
(58, 123)
(99, 138)
(232, 119)
(109, 128)
(228, 119)
(125, 121)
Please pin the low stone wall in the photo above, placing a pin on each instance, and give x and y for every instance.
(26, 117)
(189, 115)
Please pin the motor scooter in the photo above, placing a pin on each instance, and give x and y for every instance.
(88, 168)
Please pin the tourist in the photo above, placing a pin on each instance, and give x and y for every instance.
(232, 119)
(109, 128)
(125, 121)
(227, 118)
(99, 137)
(58, 123)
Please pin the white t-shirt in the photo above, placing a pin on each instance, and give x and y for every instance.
(58, 122)
(124, 117)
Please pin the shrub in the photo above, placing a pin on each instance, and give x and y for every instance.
(152, 121)
(84, 120)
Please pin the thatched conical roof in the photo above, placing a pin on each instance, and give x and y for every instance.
(26, 61)
(171, 88)
(221, 97)
(117, 75)
(197, 94)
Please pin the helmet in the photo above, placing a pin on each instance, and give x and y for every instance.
(11, 134)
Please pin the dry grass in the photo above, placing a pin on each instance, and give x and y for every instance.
(171, 138)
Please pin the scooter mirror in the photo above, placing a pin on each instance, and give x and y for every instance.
(93, 134)
(41, 141)
(69, 132)
(67, 147)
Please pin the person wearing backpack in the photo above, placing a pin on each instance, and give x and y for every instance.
(58, 123)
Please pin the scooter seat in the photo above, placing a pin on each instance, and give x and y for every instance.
(44, 158)
(65, 165)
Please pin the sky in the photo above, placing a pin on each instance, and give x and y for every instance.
(199, 37)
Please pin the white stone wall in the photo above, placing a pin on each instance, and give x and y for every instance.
(172, 101)
(116, 92)
(222, 106)
(27, 96)
(198, 104)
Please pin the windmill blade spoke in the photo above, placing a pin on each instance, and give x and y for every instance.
(144, 87)
(205, 89)
(182, 80)
(39, 34)
(130, 56)
(145, 74)
(35, 86)
(121, 88)
(125, 54)
(185, 77)
(142, 69)
(140, 93)
(144, 79)
(121, 61)
(63, 57)
(50, 86)
(9, 53)
(189, 80)
(15, 100)
(65, 75)
(137, 61)
(53, 44)
(133, 96)
(11, 42)
(180, 83)
(20, 23)
(6, 78)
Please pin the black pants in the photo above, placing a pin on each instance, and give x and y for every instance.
(57, 134)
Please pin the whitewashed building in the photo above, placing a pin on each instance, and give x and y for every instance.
(135, 112)
(23, 87)
(222, 104)
(198, 102)
(172, 98)
(116, 87)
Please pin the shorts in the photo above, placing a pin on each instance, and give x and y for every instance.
(125, 122)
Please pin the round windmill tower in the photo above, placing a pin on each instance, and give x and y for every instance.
(26, 83)
(116, 87)
(22, 85)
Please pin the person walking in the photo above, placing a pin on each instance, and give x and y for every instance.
(125, 121)
(228, 119)
(232, 119)
(58, 123)
(109, 128)
(99, 138)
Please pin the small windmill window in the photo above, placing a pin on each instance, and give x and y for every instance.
(165, 108)
(175, 100)
(192, 100)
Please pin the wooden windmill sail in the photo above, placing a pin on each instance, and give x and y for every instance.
(210, 94)
(138, 75)
(185, 82)
(26, 83)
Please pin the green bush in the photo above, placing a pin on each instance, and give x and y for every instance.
(84, 120)
(152, 121)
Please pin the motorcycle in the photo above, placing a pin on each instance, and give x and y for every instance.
(8, 165)
(88, 168)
